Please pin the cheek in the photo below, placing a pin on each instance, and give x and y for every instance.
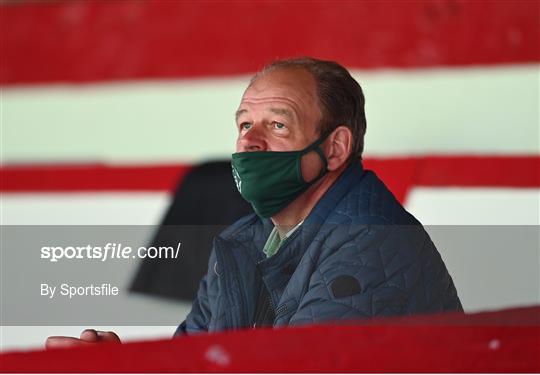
(311, 166)
(277, 143)
(238, 144)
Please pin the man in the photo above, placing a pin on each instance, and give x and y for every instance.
(328, 241)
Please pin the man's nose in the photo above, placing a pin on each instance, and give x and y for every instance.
(252, 140)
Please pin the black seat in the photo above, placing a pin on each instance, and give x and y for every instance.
(205, 202)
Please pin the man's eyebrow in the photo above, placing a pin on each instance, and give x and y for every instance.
(282, 111)
(239, 113)
(278, 111)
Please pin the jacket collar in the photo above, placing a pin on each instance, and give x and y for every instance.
(303, 236)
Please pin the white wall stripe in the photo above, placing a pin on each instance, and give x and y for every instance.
(466, 110)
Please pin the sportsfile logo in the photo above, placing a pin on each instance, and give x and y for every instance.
(109, 251)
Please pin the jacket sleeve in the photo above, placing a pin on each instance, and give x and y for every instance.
(389, 270)
(200, 315)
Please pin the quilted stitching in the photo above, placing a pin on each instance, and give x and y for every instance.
(367, 235)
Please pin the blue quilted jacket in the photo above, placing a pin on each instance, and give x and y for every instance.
(358, 254)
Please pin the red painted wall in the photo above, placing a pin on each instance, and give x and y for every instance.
(102, 40)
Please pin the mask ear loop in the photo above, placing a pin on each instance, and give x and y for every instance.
(315, 147)
(324, 161)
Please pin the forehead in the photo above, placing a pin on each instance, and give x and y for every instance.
(294, 88)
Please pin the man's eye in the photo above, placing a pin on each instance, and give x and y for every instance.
(279, 125)
(245, 126)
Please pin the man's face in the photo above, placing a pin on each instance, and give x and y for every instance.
(278, 112)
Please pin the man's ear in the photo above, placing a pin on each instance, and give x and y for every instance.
(339, 147)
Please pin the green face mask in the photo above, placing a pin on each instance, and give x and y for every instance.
(270, 180)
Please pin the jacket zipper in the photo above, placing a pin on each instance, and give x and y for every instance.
(268, 308)
(230, 264)
(281, 309)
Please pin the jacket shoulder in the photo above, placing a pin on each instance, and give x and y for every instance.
(371, 202)
(239, 226)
